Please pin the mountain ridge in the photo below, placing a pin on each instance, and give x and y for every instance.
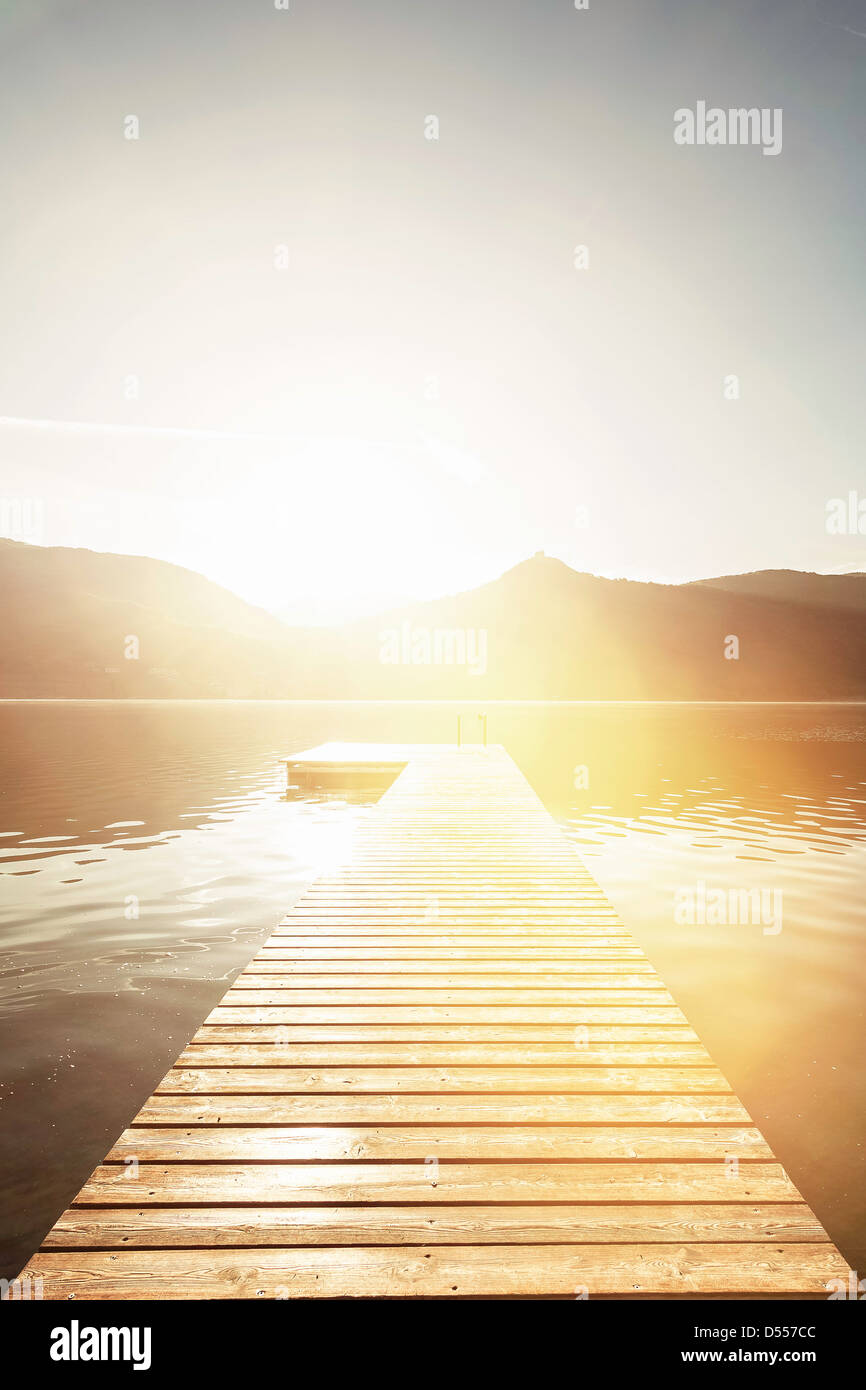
(541, 630)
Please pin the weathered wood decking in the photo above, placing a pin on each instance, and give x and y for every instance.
(450, 1072)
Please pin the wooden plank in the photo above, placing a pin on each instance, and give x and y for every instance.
(468, 915)
(298, 1143)
(115, 1228)
(530, 1271)
(585, 1016)
(212, 1183)
(413, 877)
(533, 956)
(429, 971)
(391, 1080)
(277, 978)
(173, 1107)
(506, 1033)
(435, 934)
(293, 996)
(484, 905)
(460, 895)
(389, 1054)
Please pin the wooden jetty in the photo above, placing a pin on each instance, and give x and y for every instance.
(450, 1072)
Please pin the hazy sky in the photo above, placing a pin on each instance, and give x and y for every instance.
(430, 390)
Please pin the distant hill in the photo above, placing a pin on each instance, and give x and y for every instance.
(68, 616)
(798, 586)
(553, 633)
(540, 631)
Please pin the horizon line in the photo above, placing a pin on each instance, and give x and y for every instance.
(451, 593)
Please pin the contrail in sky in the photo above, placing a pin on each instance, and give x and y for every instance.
(159, 431)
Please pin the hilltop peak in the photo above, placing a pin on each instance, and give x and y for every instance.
(540, 564)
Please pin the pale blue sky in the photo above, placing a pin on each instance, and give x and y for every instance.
(431, 391)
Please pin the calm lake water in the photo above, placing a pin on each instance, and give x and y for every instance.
(148, 848)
